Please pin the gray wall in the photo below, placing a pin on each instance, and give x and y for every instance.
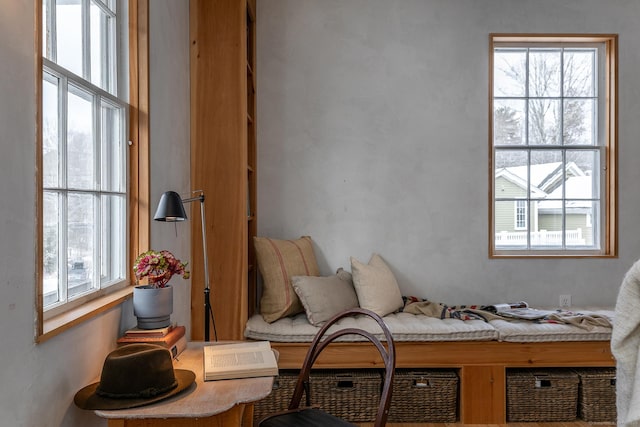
(372, 130)
(39, 381)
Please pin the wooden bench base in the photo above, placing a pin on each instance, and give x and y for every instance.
(481, 365)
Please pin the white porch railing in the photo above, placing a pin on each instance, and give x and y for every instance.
(539, 238)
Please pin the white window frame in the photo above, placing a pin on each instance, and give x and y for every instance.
(606, 144)
(117, 98)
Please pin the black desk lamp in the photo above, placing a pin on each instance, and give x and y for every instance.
(171, 209)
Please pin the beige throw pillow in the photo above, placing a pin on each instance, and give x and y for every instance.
(376, 286)
(324, 297)
(278, 261)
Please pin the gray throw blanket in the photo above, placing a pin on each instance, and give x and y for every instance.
(415, 305)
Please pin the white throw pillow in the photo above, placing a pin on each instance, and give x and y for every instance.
(376, 286)
(324, 297)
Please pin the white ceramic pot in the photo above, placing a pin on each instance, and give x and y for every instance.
(152, 306)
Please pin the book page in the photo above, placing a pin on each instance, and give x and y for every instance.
(232, 359)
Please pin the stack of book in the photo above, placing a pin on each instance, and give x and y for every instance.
(171, 337)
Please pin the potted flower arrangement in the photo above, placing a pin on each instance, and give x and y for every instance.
(153, 302)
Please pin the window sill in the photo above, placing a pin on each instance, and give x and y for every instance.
(58, 324)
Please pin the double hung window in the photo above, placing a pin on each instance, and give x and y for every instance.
(84, 186)
(553, 145)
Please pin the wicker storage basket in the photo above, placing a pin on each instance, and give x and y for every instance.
(424, 396)
(542, 395)
(597, 394)
(351, 395)
(280, 396)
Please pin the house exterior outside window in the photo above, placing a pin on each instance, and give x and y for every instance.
(553, 145)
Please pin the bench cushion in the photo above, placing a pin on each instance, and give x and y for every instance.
(403, 326)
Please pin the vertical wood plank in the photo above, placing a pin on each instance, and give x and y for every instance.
(139, 127)
(482, 395)
(39, 331)
(219, 162)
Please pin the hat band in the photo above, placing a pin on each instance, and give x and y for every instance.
(146, 393)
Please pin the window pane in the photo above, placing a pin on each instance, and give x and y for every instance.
(511, 174)
(580, 214)
(50, 132)
(544, 73)
(101, 48)
(579, 123)
(69, 35)
(544, 121)
(112, 266)
(113, 149)
(80, 146)
(583, 178)
(81, 242)
(50, 247)
(582, 224)
(577, 213)
(509, 122)
(546, 173)
(579, 75)
(505, 221)
(510, 72)
(548, 230)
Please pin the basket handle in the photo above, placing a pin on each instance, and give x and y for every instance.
(422, 383)
(344, 384)
(543, 383)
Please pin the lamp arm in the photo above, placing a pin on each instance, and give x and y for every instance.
(203, 221)
(199, 198)
(207, 288)
(204, 242)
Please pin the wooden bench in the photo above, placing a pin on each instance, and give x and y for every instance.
(481, 365)
(480, 352)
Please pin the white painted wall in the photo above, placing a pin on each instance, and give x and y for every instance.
(372, 130)
(37, 382)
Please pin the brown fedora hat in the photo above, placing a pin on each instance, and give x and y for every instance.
(134, 375)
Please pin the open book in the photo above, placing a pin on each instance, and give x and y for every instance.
(239, 360)
(518, 310)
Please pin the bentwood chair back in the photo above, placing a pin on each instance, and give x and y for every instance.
(308, 416)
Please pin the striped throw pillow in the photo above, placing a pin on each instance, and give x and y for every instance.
(278, 262)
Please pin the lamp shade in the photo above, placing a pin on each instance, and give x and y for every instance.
(170, 208)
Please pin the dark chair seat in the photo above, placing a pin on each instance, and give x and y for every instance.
(309, 416)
